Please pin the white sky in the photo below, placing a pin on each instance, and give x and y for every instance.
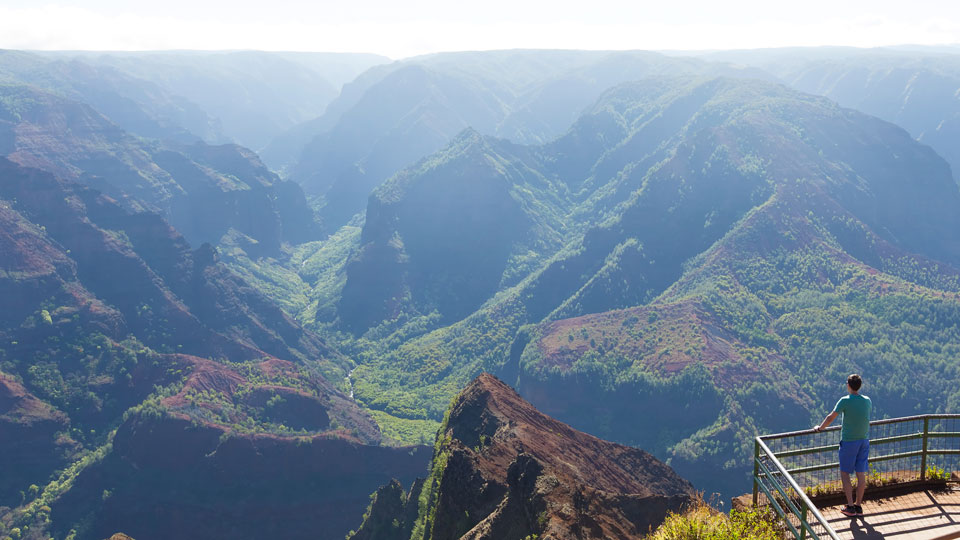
(399, 28)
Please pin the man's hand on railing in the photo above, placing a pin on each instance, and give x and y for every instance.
(826, 422)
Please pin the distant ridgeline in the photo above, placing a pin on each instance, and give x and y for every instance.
(668, 253)
(395, 114)
(911, 88)
(206, 192)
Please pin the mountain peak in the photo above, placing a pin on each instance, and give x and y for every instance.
(502, 469)
(467, 135)
(489, 413)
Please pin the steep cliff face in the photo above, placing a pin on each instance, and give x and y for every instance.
(138, 106)
(393, 115)
(502, 469)
(451, 231)
(168, 477)
(914, 90)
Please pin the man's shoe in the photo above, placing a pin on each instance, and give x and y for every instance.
(849, 510)
(859, 509)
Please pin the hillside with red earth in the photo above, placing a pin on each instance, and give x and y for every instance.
(502, 469)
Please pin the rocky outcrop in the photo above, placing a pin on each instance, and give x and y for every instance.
(391, 514)
(502, 469)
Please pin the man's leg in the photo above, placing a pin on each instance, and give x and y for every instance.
(847, 487)
(861, 487)
(861, 466)
(847, 460)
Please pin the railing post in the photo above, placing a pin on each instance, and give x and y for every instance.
(788, 502)
(756, 469)
(803, 520)
(923, 455)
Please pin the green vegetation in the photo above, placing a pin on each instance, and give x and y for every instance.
(937, 473)
(405, 430)
(282, 285)
(875, 478)
(868, 87)
(73, 366)
(430, 494)
(797, 322)
(704, 523)
(781, 290)
(35, 514)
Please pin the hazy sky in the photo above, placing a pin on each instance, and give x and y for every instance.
(403, 28)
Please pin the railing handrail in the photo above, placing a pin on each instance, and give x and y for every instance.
(796, 488)
(881, 422)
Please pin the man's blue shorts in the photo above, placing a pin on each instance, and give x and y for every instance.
(853, 456)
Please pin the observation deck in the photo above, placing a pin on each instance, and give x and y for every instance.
(913, 486)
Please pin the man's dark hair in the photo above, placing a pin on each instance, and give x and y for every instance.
(854, 381)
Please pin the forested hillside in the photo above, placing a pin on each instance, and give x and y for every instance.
(730, 218)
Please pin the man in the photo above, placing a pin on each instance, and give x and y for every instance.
(854, 442)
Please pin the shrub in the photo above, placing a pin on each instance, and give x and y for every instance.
(701, 522)
(937, 473)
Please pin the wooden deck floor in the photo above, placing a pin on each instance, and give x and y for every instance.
(922, 515)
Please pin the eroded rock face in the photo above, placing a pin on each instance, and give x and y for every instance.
(502, 469)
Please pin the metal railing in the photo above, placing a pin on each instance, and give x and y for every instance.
(788, 468)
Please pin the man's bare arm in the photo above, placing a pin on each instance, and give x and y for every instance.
(826, 421)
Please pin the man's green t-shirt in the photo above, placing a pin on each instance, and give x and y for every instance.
(856, 416)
